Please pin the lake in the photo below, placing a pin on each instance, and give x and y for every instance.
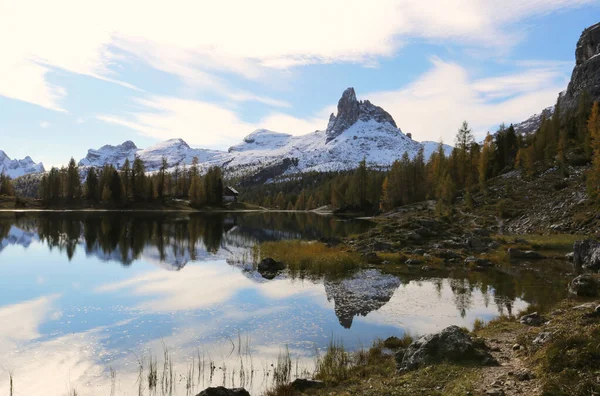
(94, 302)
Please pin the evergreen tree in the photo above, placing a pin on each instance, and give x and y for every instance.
(484, 161)
(126, 179)
(73, 181)
(92, 186)
(301, 201)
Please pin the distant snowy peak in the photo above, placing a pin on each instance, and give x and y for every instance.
(350, 110)
(532, 124)
(15, 167)
(110, 155)
(175, 151)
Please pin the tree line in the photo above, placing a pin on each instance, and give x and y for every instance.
(133, 184)
(561, 140)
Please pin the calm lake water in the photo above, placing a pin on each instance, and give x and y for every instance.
(85, 298)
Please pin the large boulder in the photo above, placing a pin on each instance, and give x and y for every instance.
(586, 254)
(302, 384)
(222, 391)
(452, 344)
(584, 286)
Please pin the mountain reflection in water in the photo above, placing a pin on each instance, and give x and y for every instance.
(67, 317)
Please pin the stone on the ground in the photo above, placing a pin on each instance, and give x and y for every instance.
(533, 319)
(302, 384)
(494, 392)
(584, 286)
(479, 263)
(516, 347)
(586, 254)
(373, 258)
(451, 344)
(414, 261)
(569, 256)
(524, 254)
(543, 338)
(524, 375)
(222, 391)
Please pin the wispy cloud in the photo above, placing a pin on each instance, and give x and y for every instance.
(435, 104)
(198, 40)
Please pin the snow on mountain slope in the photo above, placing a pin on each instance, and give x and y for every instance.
(113, 155)
(359, 130)
(176, 151)
(15, 168)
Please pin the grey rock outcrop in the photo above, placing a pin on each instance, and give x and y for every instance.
(350, 110)
(584, 286)
(451, 344)
(586, 74)
(222, 391)
(586, 254)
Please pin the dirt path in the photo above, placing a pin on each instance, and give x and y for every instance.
(511, 377)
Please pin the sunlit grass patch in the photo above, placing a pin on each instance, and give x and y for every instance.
(313, 258)
(558, 242)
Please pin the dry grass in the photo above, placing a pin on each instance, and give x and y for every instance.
(313, 258)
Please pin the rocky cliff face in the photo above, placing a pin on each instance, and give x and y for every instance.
(350, 110)
(586, 74)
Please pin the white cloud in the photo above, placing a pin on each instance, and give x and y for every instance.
(44, 124)
(435, 105)
(432, 107)
(203, 123)
(196, 39)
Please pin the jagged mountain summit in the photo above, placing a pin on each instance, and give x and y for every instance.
(359, 130)
(176, 151)
(584, 79)
(15, 167)
(586, 74)
(350, 110)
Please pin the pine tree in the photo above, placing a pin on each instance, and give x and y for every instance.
(301, 201)
(73, 181)
(91, 185)
(484, 161)
(464, 140)
(126, 179)
(106, 193)
(280, 201)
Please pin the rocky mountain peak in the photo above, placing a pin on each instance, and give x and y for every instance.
(586, 74)
(588, 45)
(128, 145)
(350, 110)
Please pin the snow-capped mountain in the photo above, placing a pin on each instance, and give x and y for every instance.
(15, 168)
(532, 124)
(176, 151)
(359, 130)
(113, 155)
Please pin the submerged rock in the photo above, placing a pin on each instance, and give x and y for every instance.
(222, 391)
(586, 254)
(584, 286)
(451, 344)
(269, 268)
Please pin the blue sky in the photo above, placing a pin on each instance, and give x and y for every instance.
(75, 76)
